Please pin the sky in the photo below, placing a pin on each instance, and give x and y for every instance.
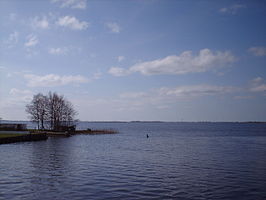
(127, 60)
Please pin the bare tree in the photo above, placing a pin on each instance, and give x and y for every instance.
(37, 109)
(53, 108)
(68, 113)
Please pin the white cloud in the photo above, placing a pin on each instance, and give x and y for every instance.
(163, 98)
(75, 4)
(133, 95)
(13, 104)
(12, 39)
(179, 64)
(196, 90)
(32, 40)
(15, 91)
(120, 58)
(139, 103)
(113, 27)
(232, 9)
(58, 51)
(51, 80)
(72, 23)
(19, 96)
(257, 85)
(40, 23)
(258, 51)
(118, 71)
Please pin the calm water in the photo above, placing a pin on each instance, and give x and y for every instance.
(177, 161)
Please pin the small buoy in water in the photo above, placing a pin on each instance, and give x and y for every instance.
(147, 136)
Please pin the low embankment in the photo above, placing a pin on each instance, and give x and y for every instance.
(36, 135)
(50, 133)
(11, 138)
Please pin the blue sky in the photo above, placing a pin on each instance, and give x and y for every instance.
(136, 60)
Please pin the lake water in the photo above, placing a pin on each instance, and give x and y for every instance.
(178, 161)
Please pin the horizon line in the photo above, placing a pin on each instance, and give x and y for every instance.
(152, 121)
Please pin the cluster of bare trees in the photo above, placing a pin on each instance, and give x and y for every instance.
(51, 111)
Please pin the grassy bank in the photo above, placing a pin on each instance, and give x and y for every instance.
(76, 132)
(36, 135)
(12, 138)
(7, 135)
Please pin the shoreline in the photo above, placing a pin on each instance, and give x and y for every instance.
(37, 135)
(148, 121)
(22, 138)
(80, 132)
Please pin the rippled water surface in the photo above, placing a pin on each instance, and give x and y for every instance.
(177, 161)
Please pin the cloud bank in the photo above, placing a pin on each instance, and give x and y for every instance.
(184, 63)
(196, 90)
(52, 80)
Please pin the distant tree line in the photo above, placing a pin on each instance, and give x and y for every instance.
(51, 111)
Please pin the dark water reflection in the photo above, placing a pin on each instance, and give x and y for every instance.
(177, 161)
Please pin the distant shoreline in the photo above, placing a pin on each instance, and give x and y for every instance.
(243, 122)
